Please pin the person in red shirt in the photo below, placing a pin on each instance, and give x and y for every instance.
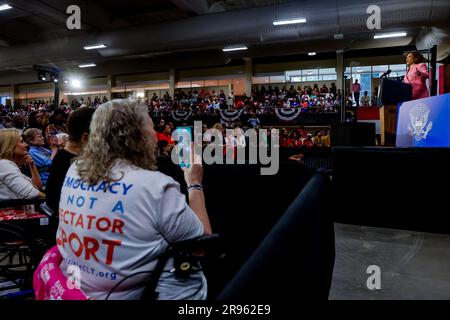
(308, 142)
(285, 142)
(166, 135)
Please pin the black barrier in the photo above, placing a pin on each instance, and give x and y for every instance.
(298, 253)
(243, 206)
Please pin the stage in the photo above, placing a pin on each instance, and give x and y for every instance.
(401, 188)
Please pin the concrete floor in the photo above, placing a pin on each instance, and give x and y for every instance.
(414, 265)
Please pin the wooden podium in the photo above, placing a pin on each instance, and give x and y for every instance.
(391, 93)
(388, 124)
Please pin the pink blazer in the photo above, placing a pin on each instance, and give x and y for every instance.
(418, 82)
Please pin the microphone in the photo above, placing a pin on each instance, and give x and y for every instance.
(384, 75)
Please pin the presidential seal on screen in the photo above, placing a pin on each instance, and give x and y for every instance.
(419, 126)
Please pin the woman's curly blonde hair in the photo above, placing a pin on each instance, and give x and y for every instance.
(119, 131)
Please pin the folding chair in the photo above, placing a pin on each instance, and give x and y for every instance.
(21, 247)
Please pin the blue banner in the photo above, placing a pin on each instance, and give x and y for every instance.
(424, 122)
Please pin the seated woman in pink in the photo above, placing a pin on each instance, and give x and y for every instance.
(416, 75)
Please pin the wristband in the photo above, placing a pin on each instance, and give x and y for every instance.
(198, 187)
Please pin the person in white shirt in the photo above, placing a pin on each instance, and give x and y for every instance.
(13, 153)
(118, 215)
(365, 100)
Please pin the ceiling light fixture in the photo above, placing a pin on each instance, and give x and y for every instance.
(87, 65)
(389, 35)
(289, 21)
(94, 46)
(234, 48)
(311, 54)
(5, 7)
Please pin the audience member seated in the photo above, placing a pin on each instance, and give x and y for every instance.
(35, 120)
(297, 158)
(124, 214)
(19, 122)
(365, 100)
(166, 135)
(42, 157)
(78, 125)
(13, 155)
(57, 125)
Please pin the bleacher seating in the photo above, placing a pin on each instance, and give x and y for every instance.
(23, 241)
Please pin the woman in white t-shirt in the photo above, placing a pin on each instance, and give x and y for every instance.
(14, 184)
(118, 215)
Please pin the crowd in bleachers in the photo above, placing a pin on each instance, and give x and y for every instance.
(39, 143)
(52, 123)
(310, 99)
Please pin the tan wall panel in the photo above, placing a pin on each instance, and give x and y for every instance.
(296, 65)
(136, 78)
(373, 61)
(36, 87)
(184, 75)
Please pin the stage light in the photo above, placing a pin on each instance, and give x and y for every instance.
(54, 78)
(42, 76)
(4, 7)
(289, 21)
(87, 65)
(311, 54)
(389, 35)
(234, 48)
(75, 83)
(94, 46)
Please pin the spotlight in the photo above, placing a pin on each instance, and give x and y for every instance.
(42, 76)
(54, 78)
(76, 83)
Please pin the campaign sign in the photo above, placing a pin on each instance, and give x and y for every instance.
(424, 122)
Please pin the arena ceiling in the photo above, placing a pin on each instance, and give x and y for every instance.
(158, 33)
